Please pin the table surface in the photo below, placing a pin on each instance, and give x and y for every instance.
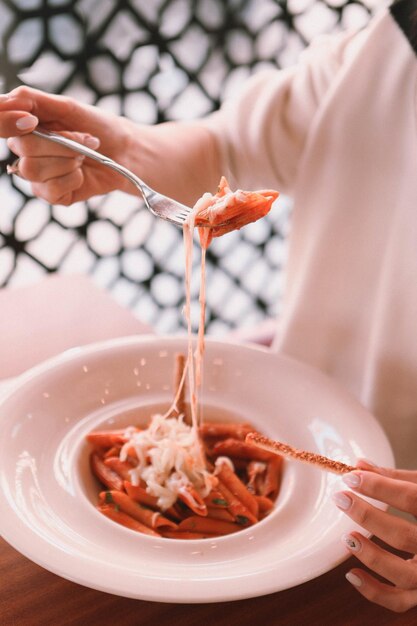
(62, 312)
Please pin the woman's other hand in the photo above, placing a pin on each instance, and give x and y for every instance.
(396, 488)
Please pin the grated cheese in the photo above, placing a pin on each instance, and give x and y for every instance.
(169, 459)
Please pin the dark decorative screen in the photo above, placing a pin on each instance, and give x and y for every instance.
(151, 60)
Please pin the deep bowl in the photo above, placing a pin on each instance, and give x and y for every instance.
(47, 493)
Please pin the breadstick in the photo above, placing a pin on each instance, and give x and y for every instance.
(300, 455)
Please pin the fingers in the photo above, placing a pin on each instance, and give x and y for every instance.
(41, 104)
(32, 146)
(400, 474)
(400, 572)
(36, 101)
(55, 171)
(52, 111)
(20, 110)
(395, 531)
(60, 190)
(400, 494)
(393, 598)
(16, 122)
(42, 169)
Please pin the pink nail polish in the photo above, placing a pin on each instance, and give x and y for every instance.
(353, 479)
(342, 500)
(26, 123)
(354, 579)
(92, 142)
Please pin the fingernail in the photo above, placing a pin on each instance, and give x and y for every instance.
(367, 462)
(25, 123)
(352, 543)
(353, 479)
(92, 142)
(342, 500)
(80, 158)
(4, 97)
(354, 579)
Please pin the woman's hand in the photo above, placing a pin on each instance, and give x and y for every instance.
(181, 160)
(397, 488)
(57, 174)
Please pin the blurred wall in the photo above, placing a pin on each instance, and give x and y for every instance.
(151, 60)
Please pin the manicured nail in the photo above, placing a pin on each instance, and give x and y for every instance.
(353, 479)
(4, 97)
(353, 579)
(352, 543)
(26, 123)
(342, 500)
(92, 142)
(366, 462)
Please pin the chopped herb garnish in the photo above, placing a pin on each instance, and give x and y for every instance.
(242, 520)
(108, 498)
(220, 502)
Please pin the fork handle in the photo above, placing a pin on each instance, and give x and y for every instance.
(92, 154)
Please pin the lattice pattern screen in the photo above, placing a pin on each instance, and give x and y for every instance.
(151, 60)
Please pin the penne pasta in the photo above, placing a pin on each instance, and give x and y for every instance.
(151, 519)
(242, 493)
(107, 438)
(122, 468)
(126, 520)
(216, 499)
(271, 484)
(240, 513)
(105, 474)
(193, 500)
(185, 534)
(265, 504)
(225, 430)
(218, 513)
(208, 525)
(237, 488)
(139, 494)
(240, 450)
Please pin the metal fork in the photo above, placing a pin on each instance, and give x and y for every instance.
(158, 204)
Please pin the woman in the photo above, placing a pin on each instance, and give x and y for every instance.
(338, 133)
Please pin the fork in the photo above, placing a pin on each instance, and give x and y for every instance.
(158, 204)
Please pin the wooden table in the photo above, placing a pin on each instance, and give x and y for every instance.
(62, 312)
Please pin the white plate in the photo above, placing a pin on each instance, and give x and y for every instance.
(47, 494)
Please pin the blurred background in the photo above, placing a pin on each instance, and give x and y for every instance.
(151, 60)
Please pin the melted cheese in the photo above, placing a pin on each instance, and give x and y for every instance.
(170, 458)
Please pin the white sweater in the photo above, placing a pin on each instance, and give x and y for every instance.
(338, 133)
